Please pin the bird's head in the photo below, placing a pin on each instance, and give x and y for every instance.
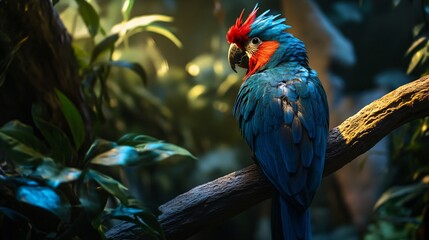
(254, 42)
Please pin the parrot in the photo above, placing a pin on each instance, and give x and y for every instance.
(282, 112)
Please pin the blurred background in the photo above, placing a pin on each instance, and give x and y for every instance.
(357, 47)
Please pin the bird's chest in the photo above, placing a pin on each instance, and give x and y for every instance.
(270, 100)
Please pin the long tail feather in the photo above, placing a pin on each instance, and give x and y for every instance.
(289, 222)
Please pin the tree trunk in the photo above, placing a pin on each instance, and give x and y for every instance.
(44, 60)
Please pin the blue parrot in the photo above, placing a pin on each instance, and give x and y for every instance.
(282, 111)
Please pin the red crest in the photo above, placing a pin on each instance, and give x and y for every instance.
(239, 33)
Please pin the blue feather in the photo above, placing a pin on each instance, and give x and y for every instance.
(315, 176)
(290, 92)
(289, 150)
(301, 88)
(288, 114)
(294, 221)
(296, 130)
(306, 150)
(306, 116)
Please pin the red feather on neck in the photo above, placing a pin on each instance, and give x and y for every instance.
(261, 56)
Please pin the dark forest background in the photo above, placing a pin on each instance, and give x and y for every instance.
(111, 108)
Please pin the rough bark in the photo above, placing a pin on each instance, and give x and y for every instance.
(215, 201)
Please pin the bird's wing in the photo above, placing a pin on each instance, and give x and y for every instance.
(285, 123)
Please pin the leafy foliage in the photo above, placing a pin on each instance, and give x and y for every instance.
(419, 49)
(401, 212)
(42, 173)
(73, 118)
(89, 16)
(42, 179)
(97, 68)
(139, 216)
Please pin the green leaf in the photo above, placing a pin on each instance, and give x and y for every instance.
(92, 198)
(417, 29)
(82, 56)
(121, 155)
(55, 175)
(417, 57)
(46, 198)
(46, 169)
(147, 23)
(134, 66)
(416, 44)
(89, 16)
(401, 191)
(150, 150)
(107, 43)
(126, 9)
(19, 153)
(15, 146)
(166, 33)
(7, 60)
(14, 215)
(158, 151)
(73, 117)
(153, 153)
(141, 217)
(140, 22)
(99, 146)
(112, 186)
(61, 149)
(66, 175)
(24, 134)
(133, 139)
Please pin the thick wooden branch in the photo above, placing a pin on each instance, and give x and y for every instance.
(213, 202)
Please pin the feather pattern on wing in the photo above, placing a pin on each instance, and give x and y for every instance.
(283, 117)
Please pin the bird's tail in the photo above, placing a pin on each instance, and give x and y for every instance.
(289, 222)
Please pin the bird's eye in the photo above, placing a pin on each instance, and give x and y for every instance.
(256, 40)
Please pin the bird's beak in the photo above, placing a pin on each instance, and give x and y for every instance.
(236, 56)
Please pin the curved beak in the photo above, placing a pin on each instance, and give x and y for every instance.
(236, 56)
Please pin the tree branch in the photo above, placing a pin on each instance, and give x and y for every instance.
(215, 201)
